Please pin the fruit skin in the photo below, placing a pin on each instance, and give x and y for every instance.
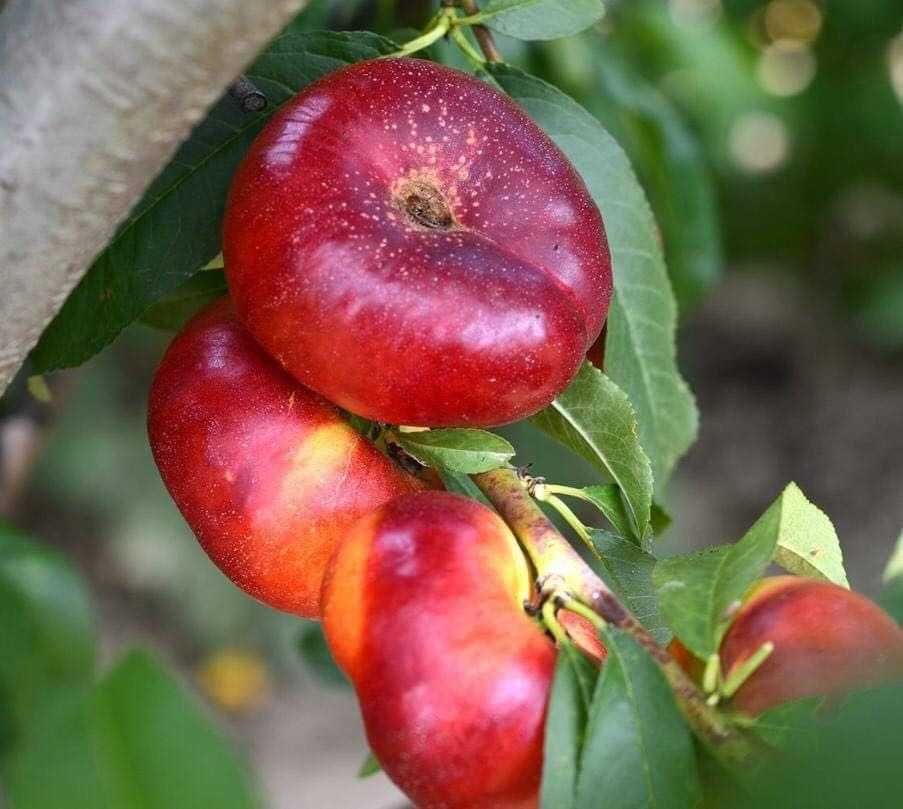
(828, 640)
(408, 243)
(423, 610)
(266, 473)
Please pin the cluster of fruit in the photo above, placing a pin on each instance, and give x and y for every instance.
(401, 241)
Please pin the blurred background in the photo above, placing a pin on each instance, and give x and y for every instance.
(769, 138)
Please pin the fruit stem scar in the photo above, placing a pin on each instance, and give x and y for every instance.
(424, 204)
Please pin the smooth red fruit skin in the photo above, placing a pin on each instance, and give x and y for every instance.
(423, 609)
(479, 320)
(827, 640)
(265, 472)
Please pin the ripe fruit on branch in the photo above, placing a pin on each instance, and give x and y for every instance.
(408, 243)
(423, 610)
(266, 473)
(827, 640)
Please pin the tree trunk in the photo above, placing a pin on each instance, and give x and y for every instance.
(95, 96)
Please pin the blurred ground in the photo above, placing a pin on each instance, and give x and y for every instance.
(785, 394)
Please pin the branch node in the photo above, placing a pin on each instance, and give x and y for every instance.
(247, 95)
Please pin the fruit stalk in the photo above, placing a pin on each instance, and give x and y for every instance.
(562, 571)
(482, 33)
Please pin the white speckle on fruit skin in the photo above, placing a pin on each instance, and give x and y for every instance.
(522, 232)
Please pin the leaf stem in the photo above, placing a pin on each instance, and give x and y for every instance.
(460, 38)
(550, 619)
(562, 570)
(442, 25)
(572, 519)
(580, 608)
(569, 491)
(745, 670)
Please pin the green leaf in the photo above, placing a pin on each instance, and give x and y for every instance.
(785, 726)
(640, 353)
(697, 590)
(466, 451)
(879, 304)
(894, 567)
(369, 766)
(627, 570)
(694, 592)
(316, 655)
(671, 163)
(638, 751)
(174, 310)
(660, 520)
(565, 722)
(175, 229)
(462, 484)
(541, 19)
(47, 635)
(807, 543)
(891, 598)
(135, 741)
(594, 418)
(607, 498)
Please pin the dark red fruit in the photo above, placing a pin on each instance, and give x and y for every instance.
(408, 243)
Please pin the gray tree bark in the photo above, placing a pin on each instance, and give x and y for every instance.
(95, 96)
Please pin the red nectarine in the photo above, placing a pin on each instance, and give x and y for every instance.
(266, 473)
(408, 243)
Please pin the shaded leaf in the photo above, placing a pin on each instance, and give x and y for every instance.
(136, 740)
(47, 637)
(627, 570)
(594, 418)
(316, 655)
(891, 598)
(541, 19)
(569, 702)
(174, 310)
(673, 168)
(607, 498)
(638, 751)
(462, 484)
